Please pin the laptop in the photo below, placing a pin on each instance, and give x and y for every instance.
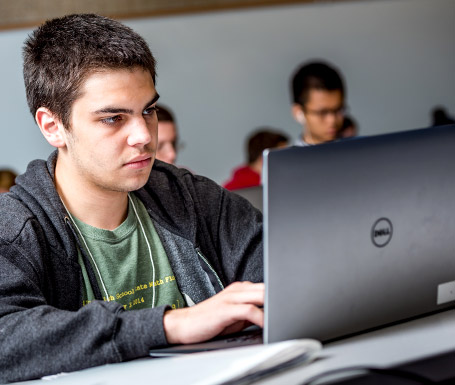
(358, 233)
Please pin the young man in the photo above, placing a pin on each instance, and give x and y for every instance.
(103, 249)
(166, 149)
(317, 102)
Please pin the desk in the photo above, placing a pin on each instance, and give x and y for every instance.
(421, 338)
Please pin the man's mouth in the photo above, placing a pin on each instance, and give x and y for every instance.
(139, 162)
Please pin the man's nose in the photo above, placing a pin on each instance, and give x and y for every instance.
(140, 133)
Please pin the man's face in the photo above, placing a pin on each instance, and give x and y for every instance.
(323, 113)
(167, 142)
(111, 143)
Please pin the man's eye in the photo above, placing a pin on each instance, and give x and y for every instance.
(111, 119)
(150, 110)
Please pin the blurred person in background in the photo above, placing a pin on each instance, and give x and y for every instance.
(168, 138)
(349, 128)
(7, 180)
(249, 175)
(318, 102)
(440, 117)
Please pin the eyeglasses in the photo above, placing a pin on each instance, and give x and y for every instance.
(324, 113)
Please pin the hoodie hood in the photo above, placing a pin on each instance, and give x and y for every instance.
(35, 189)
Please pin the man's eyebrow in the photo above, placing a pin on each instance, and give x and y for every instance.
(154, 100)
(112, 110)
(117, 110)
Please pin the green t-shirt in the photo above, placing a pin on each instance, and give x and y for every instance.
(122, 263)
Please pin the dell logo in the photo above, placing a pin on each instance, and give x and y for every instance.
(381, 233)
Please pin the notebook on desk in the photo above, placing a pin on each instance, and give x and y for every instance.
(358, 233)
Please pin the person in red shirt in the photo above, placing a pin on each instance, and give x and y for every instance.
(249, 175)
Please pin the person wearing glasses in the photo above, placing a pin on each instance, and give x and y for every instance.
(318, 102)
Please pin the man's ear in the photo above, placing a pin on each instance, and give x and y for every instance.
(298, 114)
(50, 127)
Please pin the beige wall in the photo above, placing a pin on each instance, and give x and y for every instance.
(225, 73)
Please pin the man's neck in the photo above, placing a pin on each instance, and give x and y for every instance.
(308, 138)
(94, 206)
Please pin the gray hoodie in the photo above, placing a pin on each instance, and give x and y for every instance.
(212, 238)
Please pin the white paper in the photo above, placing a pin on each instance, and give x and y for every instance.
(253, 359)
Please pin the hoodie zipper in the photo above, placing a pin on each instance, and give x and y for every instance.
(198, 250)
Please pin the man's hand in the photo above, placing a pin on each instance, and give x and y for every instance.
(229, 311)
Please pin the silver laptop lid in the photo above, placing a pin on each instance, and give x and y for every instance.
(359, 233)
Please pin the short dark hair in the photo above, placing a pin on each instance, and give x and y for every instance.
(440, 117)
(348, 121)
(164, 114)
(63, 52)
(261, 139)
(314, 75)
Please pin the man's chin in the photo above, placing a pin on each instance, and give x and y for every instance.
(138, 184)
(133, 184)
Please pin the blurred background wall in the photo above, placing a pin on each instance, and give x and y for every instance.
(224, 73)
